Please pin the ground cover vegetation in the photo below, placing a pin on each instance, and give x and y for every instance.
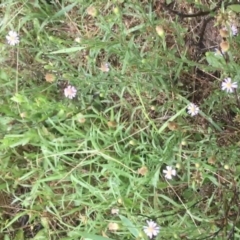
(119, 119)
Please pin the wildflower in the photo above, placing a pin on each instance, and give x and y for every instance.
(234, 30)
(49, 77)
(193, 109)
(152, 229)
(152, 108)
(228, 85)
(226, 166)
(224, 32)
(143, 170)
(12, 38)
(178, 166)
(184, 143)
(212, 160)
(77, 39)
(114, 211)
(224, 45)
(82, 120)
(120, 201)
(112, 124)
(113, 227)
(70, 92)
(116, 10)
(132, 142)
(160, 31)
(23, 114)
(105, 67)
(172, 126)
(169, 172)
(92, 11)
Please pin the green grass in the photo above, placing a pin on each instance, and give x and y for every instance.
(66, 163)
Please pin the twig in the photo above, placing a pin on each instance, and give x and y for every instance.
(201, 13)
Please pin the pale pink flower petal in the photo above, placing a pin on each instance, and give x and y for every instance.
(12, 38)
(228, 85)
(152, 229)
(192, 109)
(70, 92)
(169, 172)
(234, 30)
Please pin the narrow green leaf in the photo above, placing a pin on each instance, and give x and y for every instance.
(15, 140)
(68, 50)
(155, 178)
(130, 226)
(169, 200)
(64, 10)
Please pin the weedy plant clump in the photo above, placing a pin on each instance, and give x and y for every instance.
(119, 120)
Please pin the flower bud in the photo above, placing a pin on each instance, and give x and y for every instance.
(197, 165)
(116, 10)
(224, 33)
(160, 31)
(49, 77)
(224, 46)
(226, 166)
(132, 142)
(172, 125)
(92, 11)
(113, 226)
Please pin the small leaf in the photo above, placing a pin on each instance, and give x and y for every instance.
(214, 60)
(4, 75)
(19, 235)
(41, 235)
(15, 140)
(155, 178)
(18, 98)
(68, 50)
(235, 8)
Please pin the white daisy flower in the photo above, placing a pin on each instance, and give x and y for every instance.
(192, 109)
(152, 229)
(70, 92)
(169, 172)
(12, 38)
(228, 85)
